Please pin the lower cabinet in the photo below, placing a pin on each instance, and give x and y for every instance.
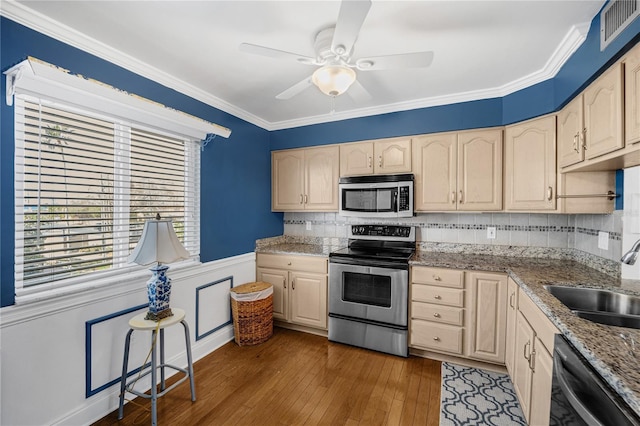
(459, 313)
(532, 366)
(299, 287)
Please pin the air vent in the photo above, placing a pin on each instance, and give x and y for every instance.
(615, 18)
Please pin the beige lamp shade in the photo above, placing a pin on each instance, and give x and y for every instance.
(158, 243)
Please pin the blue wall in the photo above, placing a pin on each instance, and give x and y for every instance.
(542, 98)
(236, 172)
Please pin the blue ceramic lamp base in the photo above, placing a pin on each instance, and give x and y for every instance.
(159, 292)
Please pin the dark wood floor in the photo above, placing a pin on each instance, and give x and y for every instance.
(297, 378)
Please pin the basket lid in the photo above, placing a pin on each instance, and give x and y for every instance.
(250, 287)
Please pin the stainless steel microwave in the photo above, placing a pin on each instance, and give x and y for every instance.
(376, 196)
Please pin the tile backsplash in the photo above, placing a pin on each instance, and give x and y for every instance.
(512, 229)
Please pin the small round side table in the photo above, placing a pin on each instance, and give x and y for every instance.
(139, 323)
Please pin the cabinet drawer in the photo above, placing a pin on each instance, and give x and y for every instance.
(437, 276)
(438, 295)
(296, 263)
(437, 313)
(544, 328)
(438, 337)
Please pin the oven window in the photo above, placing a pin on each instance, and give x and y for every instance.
(369, 200)
(366, 289)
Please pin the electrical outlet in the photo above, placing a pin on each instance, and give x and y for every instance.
(603, 240)
(491, 232)
(308, 225)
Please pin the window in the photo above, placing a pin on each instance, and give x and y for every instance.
(86, 184)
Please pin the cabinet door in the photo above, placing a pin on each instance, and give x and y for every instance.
(435, 170)
(480, 170)
(486, 322)
(321, 178)
(278, 279)
(287, 191)
(309, 299)
(570, 133)
(632, 96)
(603, 114)
(530, 165)
(392, 156)
(542, 366)
(512, 308)
(356, 159)
(523, 376)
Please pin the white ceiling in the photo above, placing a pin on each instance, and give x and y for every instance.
(482, 49)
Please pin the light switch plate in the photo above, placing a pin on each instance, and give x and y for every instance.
(308, 225)
(603, 240)
(491, 232)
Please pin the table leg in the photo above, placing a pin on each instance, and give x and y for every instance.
(154, 389)
(125, 368)
(189, 360)
(162, 384)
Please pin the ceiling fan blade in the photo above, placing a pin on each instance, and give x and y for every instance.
(389, 62)
(358, 93)
(295, 89)
(350, 19)
(275, 53)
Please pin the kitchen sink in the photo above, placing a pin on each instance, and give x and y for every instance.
(601, 306)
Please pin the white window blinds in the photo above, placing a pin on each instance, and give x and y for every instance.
(85, 184)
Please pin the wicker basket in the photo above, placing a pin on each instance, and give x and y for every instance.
(252, 308)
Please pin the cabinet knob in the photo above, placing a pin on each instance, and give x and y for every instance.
(460, 199)
(293, 284)
(306, 198)
(369, 162)
(380, 161)
(453, 197)
(301, 198)
(436, 338)
(437, 297)
(436, 277)
(289, 264)
(550, 193)
(437, 315)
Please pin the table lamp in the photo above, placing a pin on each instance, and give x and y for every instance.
(158, 244)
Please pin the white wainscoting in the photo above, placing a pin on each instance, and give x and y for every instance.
(62, 365)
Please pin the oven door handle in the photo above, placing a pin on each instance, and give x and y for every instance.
(560, 373)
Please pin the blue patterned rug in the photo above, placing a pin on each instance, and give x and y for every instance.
(471, 396)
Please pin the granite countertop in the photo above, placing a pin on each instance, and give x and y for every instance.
(601, 345)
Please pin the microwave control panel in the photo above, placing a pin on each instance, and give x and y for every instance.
(403, 201)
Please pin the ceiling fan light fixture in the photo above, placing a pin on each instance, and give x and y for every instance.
(333, 80)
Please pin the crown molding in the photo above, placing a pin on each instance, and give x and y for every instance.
(41, 23)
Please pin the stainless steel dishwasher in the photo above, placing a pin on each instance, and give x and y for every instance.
(579, 396)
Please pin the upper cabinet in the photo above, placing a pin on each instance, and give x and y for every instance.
(530, 165)
(385, 156)
(305, 179)
(458, 171)
(591, 125)
(632, 97)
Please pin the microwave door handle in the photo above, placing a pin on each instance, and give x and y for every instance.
(569, 393)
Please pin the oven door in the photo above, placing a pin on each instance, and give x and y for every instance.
(368, 293)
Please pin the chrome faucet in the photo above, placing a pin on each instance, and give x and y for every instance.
(630, 257)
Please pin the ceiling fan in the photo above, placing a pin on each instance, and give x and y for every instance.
(334, 49)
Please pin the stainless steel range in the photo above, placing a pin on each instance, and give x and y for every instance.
(369, 288)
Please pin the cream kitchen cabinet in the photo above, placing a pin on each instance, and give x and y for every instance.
(458, 171)
(384, 156)
(530, 165)
(486, 316)
(632, 96)
(437, 310)
(512, 309)
(305, 179)
(299, 287)
(533, 366)
(591, 125)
